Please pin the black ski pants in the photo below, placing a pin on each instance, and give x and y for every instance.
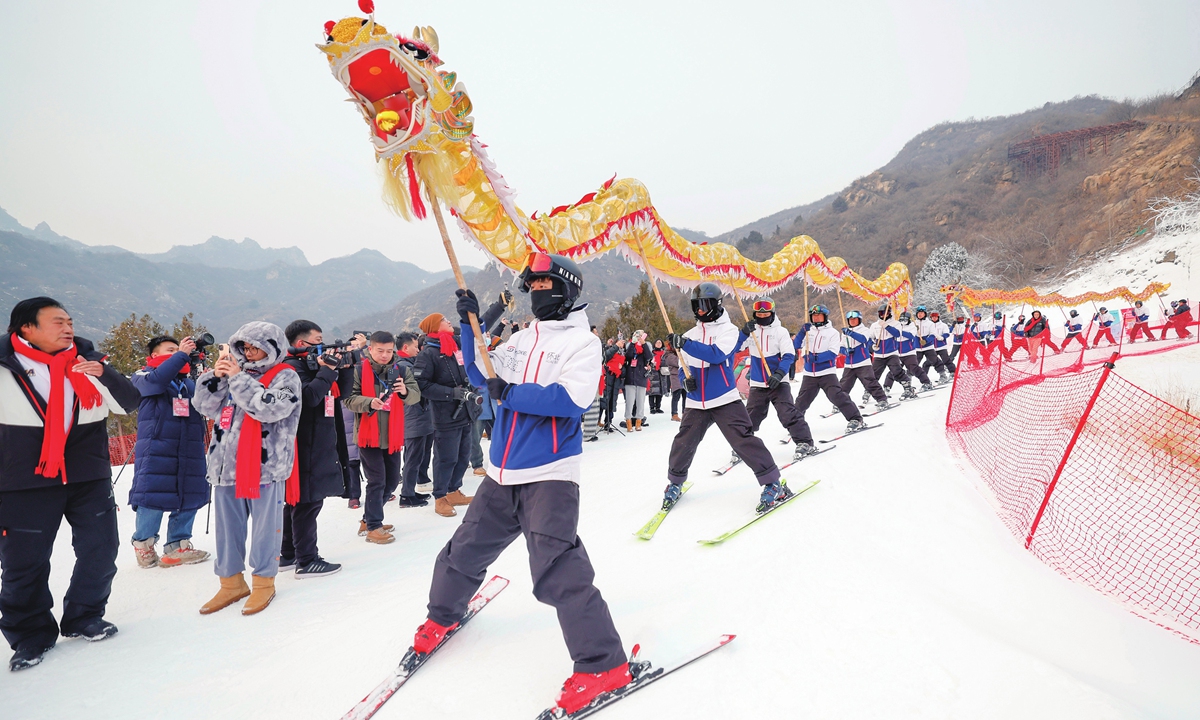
(383, 475)
(734, 423)
(300, 532)
(547, 514)
(932, 359)
(865, 375)
(894, 368)
(810, 386)
(418, 451)
(451, 456)
(29, 522)
(352, 472)
(913, 369)
(762, 398)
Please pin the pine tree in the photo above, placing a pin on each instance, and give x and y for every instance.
(640, 312)
(125, 346)
(948, 264)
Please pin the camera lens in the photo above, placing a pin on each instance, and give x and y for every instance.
(203, 339)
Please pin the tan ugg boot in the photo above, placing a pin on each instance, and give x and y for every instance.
(675, 418)
(442, 506)
(233, 588)
(261, 596)
(637, 424)
(457, 498)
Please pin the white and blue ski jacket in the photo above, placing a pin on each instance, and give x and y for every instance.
(777, 352)
(818, 347)
(885, 336)
(553, 368)
(856, 346)
(708, 351)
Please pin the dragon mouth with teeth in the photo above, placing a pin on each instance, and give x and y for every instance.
(393, 81)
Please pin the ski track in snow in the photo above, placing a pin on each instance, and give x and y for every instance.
(889, 590)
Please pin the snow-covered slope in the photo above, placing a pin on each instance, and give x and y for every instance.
(890, 590)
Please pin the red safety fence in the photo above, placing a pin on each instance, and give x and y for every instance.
(120, 449)
(1097, 477)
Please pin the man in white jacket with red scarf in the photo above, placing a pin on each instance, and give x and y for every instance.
(546, 377)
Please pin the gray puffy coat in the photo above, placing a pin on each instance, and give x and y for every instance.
(277, 407)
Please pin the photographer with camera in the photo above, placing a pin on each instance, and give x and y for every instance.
(321, 444)
(380, 386)
(455, 405)
(418, 433)
(168, 466)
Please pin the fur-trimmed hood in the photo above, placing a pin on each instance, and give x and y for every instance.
(265, 336)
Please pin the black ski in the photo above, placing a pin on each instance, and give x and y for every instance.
(862, 429)
(805, 457)
(726, 468)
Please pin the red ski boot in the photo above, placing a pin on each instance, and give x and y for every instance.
(429, 636)
(582, 688)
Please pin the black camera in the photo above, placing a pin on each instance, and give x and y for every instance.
(336, 353)
(197, 357)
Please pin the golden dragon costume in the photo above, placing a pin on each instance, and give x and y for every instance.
(419, 122)
(972, 298)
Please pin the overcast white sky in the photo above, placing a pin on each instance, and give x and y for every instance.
(150, 124)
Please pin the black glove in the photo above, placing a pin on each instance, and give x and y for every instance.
(690, 383)
(775, 379)
(749, 327)
(497, 387)
(676, 340)
(467, 303)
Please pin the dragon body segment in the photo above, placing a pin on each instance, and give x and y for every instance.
(420, 126)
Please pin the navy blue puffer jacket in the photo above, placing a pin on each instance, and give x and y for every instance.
(168, 466)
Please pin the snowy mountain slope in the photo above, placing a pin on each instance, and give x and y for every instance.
(890, 590)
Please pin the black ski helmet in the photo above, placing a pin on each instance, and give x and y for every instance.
(885, 312)
(818, 310)
(706, 302)
(905, 316)
(566, 278)
(1074, 313)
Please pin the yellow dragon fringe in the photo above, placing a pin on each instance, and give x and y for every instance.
(420, 126)
(972, 298)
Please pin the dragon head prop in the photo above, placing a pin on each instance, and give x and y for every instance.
(413, 111)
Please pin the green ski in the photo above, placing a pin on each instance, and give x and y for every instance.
(725, 536)
(648, 530)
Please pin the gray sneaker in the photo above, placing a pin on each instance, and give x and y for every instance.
(181, 553)
(855, 425)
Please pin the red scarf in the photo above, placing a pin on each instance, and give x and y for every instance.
(446, 340)
(54, 435)
(250, 451)
(658, 359)
(368, 426)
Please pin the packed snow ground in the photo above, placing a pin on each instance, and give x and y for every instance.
(890, 590)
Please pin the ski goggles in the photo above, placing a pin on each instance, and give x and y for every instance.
(764, 306)
(539, 263)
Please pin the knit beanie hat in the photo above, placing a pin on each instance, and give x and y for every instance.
(431, 323)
